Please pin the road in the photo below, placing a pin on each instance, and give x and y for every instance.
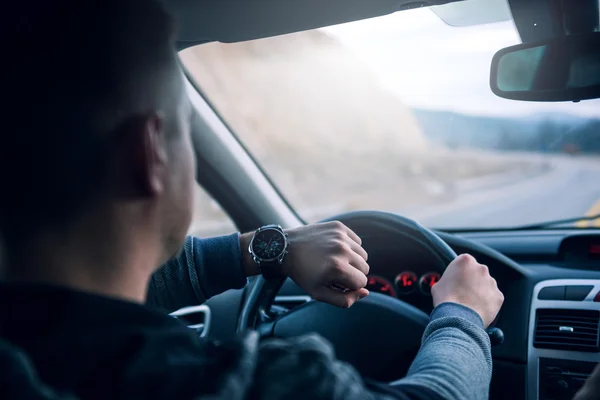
(568, 187)
(571, 187)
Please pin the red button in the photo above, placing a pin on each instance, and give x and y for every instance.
(597, 298)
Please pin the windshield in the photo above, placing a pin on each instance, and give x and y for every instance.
(396, 114)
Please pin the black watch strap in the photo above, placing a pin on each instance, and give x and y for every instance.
(271, 270)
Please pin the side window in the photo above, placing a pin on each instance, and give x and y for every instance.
(209, 218)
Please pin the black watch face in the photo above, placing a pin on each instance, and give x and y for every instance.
(268, 244)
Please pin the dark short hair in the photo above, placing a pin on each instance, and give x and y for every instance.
(73, 71)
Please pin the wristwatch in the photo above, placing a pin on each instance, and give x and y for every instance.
(268, 248)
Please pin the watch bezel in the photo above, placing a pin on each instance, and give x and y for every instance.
(279, 257)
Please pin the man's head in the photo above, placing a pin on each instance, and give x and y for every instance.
(97, 140)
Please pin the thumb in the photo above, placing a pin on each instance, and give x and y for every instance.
(340, 299)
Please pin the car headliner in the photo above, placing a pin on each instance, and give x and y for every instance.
(228, 21)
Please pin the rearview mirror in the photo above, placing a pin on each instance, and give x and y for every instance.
(560, 69)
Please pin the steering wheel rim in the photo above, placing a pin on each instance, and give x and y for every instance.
(406, 225)
(261, 293)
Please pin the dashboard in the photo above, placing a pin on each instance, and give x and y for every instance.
(408, 285)
(527, 265)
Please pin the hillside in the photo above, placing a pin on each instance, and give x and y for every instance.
(307, 109)
(309, 86)
(325, 130)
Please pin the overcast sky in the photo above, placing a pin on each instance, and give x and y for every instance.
(428, 63)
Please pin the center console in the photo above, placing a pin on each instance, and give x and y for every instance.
(564, 342)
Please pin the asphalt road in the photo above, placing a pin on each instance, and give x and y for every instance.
(571, 187)
(566, 187)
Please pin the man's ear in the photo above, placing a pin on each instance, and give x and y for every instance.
(145, 155)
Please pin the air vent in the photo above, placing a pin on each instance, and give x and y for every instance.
(195, 317)
(564, 329)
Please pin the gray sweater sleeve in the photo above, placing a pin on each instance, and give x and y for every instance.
(454, 363)
(455, 359)
(202, 269)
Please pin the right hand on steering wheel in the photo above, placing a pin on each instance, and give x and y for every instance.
(469, 283)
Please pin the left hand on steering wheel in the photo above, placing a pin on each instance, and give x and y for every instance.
(328, 262)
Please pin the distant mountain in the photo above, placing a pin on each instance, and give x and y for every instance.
(537, 132)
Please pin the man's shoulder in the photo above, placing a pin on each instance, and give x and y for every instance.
(95, 347)
(169, 364)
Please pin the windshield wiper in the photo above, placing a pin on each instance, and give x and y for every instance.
(549, 224)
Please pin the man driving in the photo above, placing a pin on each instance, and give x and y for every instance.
(98, 170)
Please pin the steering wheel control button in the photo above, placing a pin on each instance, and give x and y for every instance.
(406, 282)
(577, 293)
(427, 281)
(552, 293)
(496, 336)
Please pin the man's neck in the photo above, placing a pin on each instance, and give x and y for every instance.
(114, 267)
(133, 290)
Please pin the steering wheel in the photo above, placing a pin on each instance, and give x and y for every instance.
(379, 333)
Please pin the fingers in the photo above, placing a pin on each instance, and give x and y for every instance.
(349, 232)
(350, 247)
(348, 276)
(464, 260)
(359, 259)
(355, 238)
(360, 264)
(358, 249)
(466, 263)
